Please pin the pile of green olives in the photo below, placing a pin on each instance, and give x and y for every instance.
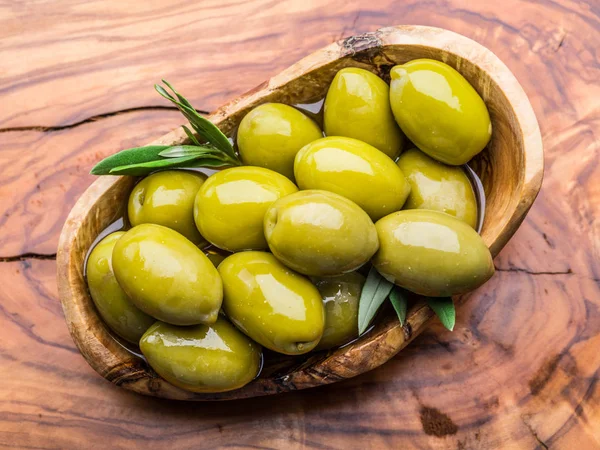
(213, 269)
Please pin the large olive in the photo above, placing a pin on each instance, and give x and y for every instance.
(115, 308)
(320, 233)
(355, 170)
(271, 134)
(167, 276)
(358, 106)
(431, 253)
(167, 198)
(439, 110)
(437, 186)
(272, 304)
(340, 295)
(202, 358)
(230, 206)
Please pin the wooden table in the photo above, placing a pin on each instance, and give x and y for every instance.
(520, 370)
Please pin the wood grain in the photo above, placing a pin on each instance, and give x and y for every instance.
(534, 327)
(34, 203)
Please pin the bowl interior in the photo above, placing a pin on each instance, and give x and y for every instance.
(501, 167)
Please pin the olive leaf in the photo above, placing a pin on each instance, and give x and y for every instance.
(374, 292)
(399, 299)
(189, 150)
(217, 152)
(145, 168)
(128, 157)
(443, 307)
(190, 135)
(204, 127)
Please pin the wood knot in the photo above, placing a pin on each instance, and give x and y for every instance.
(354, 44)
(436, 423)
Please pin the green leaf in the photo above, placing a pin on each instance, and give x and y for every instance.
(374, 292)
(204, 127)
(142, 160)
(210, 163)
(190, 135)
(399, 300)
(181, 98)
(443, 307)
(188, 150)
(128, 157)
(145, 168)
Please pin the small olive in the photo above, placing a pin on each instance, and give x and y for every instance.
(230, 206)
(167, 198)
(437, 186)
(354, 170)
(115, 308)
(277, 307)
(319, 233)
(202, 358)
(340, 296)
(358, 106)
(431, 253)
(167, 276)
(439, 111)
(270, 135)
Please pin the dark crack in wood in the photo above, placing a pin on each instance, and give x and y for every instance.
(95, 118)
(26, 256)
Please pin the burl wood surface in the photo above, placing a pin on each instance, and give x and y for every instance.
(521, 368)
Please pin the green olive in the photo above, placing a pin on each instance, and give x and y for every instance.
(230, 206)
(115, 308)
(354, 170)
(431, 253)
(320, 233)
(340, 295)
(271, 134)
(358, 106)
(167, 198)
(272, 304)
(167, 276)
(202, 358)
(439, 110)
(437, 186)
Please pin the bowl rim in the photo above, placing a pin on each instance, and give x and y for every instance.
(370, 350)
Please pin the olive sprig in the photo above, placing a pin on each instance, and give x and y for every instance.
(209, 148)
(376, 289)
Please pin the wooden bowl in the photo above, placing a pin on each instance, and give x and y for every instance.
(511, 170)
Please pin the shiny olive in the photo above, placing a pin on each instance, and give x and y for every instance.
(115, 308)
(167, 276)
(272, 304)
(437, 186)
(358, 106)
(439, 110)
(271, 134)
(167, 198)
(320, 233)
(230, 206)
(340, 295)
(354, 170)
(431, 253)
(202, 358)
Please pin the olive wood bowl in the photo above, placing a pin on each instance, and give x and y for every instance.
(510, 168)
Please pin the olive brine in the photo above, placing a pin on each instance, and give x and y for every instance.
(271, 249)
